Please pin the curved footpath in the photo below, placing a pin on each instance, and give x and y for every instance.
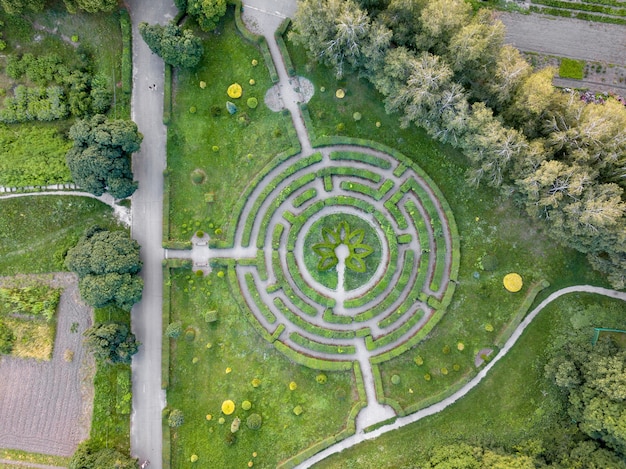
(438, 407)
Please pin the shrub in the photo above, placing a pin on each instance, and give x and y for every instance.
(176, 418)
(234, 427)
(216, 111)
(193, 109)
(230, 107)
(193, 458)
(444, 371)
(252, 103)
(228, 407)
(419, 361)
(446, 349)
(190, 334)
(234, 91)
(340, 127)
(256, 382)
(427, 376)
(460, 346)
(246, 405)
(174, 330)
(340, 93)
(74, 38)
(489, 262)
(252, 82)
(321, 378)
(203, 84)
(197, 176)
(395, 379)
(456, 367)
(513, 282)
(254, 421)
(293, 386)
(357, 116)
(297, 410)
(489, 328)
(255, 62)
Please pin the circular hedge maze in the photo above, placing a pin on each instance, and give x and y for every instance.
(356, 251)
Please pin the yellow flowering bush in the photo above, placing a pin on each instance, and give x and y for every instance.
(235, 91)
(513, 282)
(340, 93)
(228, 407)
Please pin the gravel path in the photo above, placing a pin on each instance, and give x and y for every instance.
(566, 37)
(45, 407)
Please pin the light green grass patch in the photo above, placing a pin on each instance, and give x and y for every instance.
(571, 68)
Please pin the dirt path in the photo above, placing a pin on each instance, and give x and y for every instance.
(566, 37)
(45, 407)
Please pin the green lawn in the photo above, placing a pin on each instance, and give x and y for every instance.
(571, 68)
(229, 149)
(513, 405)
(218, 361)
(37, 231)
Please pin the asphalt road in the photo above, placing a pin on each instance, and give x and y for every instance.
(146, 228)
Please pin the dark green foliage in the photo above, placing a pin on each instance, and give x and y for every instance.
(111, 342)
(16, 7)
(43, 104)
(100, 158)
(593, 380)
(176, 418)
(6, 339)
(107, 263)
(90, 6)
(174, 330)
(36, 300)
(176, 46)
(89, 456)
(207, 12)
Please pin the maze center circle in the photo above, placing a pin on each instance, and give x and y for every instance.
(400, 253)
(322, 237)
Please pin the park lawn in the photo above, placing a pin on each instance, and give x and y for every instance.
(229, 149)
(213, 362)
(489, 224)
(37, 231)
(513, 405)
(110, 427)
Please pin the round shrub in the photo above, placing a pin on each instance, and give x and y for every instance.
(176, 418)
(190, 334)
(203, 84)
(195, 360)
(252, 82)
(198, 176)
(427, 376)
(340, 127)
(235, 91)
(340, 93)
(489, 262)
(513, 282)
(255, 62)
(193, 109)
(460, 346)
(489, 328)
(254, 421)
(277, 133)
(74, 38)
(419, 361)
(322, 89)
(228, 407)
(444, 371)
(193, 458)
(252, 103)
(199, 233)
(395, 379)
(456, 367)
(221, 420)
(297, 410)
(357, 116)
(293, 386)
(246, 405)
(256, 382)
(321, 378)
(378, 124)
(216, 111)
(446, 349)
(209, 417)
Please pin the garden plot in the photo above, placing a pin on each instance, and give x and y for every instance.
(45, 407)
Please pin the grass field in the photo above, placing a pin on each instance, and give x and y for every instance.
(571, 68)
(227, 148)
(35, 232)
(513, 405)
(214, 362)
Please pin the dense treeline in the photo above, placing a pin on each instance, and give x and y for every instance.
(16, 7)
(445, 68)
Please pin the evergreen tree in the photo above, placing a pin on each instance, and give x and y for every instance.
(177, 47)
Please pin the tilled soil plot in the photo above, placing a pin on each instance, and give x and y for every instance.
(566, 37)
(45, 407)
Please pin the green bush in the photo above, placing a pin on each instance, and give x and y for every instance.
(174, 330)
(190, 334)
(7, 339)
(197, 176)
(254, 421)
(252, 103)
(127, 54)
(321, 378)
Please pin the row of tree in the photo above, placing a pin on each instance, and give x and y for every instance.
(442, 67)
(16, 7)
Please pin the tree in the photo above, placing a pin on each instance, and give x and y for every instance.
(439, 21)
(90, 6)
(593, 381)
(510, 71)
(107, 264)
(176, 46)
(89, 456)
(17, 7)
(100, 157)
(111, 342)
(207, 12)
(402, 18)
(7, 338)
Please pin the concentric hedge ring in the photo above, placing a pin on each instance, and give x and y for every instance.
(408, 282)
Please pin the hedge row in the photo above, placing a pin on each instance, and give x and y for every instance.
(277, 235)
(178, 263)
(186, 245)
(277, 201)
(394, 336)
(364, 189)
(280, 41)
(298, 220)
(292, 134)
(360, 384)
(607, 10)
(303, 198)
(360, 157)
(167, 95)
(405, 238)
(328, 183)
(278, 331)
(127, 53)
(245, 309)
(308, 122)
(398, 313)
(165, 237)
(380, 393)
(165, 321)
(522, 311)
(309, 327)
(311, 344)
(298, 302)
(378, 425)
(580, 16)
(241, 27)
(330, 316)
(305, 287)
(258, 301)
(166, 449)
(349, 171)
(311, 362)
(400, 170)
(424, 240)
(391, 204)
(271, 186)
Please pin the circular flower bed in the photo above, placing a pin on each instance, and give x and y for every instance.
(235, 91)
(513, 282)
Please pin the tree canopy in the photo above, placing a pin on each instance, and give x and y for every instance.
(111, 342)
(16, 7)
(176, 46)
(206, 12)
(90, 456)
(90, 6)
(107, 263)
(99, 160)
